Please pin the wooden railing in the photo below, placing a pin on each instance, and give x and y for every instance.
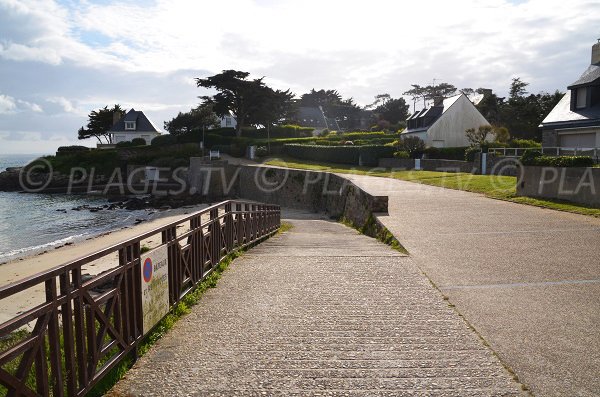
(85, 326)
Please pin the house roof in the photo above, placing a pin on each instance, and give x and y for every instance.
(311, 117)
(562, 114)
(591, 75)
(430, 115)
(142, 123)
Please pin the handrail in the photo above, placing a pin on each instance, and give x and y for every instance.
(83, 328)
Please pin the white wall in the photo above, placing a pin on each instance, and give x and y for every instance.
(228, 122)
(449, 129)
(129, 136)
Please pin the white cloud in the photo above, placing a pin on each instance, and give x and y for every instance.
(82, 55)
(66, 105)
(7, 104)
(34, 107)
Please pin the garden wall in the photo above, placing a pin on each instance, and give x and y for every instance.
(575, 184)
(429, 164)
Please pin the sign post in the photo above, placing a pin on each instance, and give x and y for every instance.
(155, 287)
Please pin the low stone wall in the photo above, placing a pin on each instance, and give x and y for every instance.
(429, 165)
(496, 165)
(578, 185)
(309, 190)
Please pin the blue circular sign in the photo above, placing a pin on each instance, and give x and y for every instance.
(148, 270)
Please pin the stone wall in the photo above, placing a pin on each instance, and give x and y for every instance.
(496, 165)
(429, 165)
(309, 190)
(579, 185)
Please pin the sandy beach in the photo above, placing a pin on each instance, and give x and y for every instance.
(19, 269)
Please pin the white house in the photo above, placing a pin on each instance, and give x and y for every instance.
(134, 124)
(575, 120)
(444, 124)
(228, 121)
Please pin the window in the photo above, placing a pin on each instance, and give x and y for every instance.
(227, 121)
(581, 98)
(130, 125)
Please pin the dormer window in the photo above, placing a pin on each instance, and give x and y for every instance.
(581, 101)
(130, 125)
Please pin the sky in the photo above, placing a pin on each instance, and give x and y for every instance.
(61, 59)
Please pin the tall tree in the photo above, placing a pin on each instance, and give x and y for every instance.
(323, 98)
(99, 122)
(416, 93)
(199, 117)
(235, 94)
(392, 110)
(274, 106)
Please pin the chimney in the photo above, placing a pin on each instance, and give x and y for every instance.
(596, 53)
(438, 100)
(116, 117)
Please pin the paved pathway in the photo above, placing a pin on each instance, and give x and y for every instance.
(320, 311)
(527, 279)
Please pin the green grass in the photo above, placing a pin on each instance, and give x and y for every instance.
(285, 226)
(493, 186)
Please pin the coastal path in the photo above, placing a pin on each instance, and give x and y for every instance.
(526, 278)
(320, 310)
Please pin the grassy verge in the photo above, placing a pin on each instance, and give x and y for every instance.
(493, 186)
(373, 228)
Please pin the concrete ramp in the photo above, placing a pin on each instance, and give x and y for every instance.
(320, 311)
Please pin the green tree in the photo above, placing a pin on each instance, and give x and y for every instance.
(99, 122)
(345, 111)
(235, 94)
(197, 118)
(273, 106)
(323, 98)
(392, 110)
(413, 145)
(478, 137)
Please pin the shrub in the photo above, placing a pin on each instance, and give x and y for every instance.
(138, 142)
(331, 154)
(471, 152)
(446, 153)
(261, 151)
(534, 157)
(124, 144)
(401, 154)
(66, 150)
(525, 143)
(501, 134)
(73, 148)
(164, 140)
(413, 145)
(370, 154)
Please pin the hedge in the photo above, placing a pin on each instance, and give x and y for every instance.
(370, 154)
(63, 150)
(525, 143)
(446, 153)
(329, 154)
(164, 140)
(534, 157)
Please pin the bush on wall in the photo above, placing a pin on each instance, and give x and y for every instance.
(535, 157)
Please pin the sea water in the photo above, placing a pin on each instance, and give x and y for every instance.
(33, 223)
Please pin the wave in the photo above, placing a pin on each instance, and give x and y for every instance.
(41, 247)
